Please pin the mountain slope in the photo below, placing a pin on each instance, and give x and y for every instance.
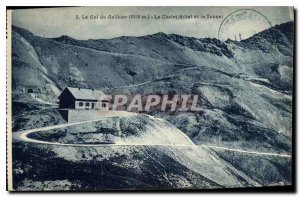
(218, 72)
(245, 91)
(157, 162)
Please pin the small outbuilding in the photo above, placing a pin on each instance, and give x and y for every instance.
(83, 99)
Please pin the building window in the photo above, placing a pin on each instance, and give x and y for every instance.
(87, 104)
(104, 105)
(80, 104)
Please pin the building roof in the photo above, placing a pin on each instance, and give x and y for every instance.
(87, 94)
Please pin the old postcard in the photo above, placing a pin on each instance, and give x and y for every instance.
(150, 98)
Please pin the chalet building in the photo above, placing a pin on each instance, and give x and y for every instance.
(82, 98)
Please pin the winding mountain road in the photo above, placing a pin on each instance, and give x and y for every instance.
(23, 136)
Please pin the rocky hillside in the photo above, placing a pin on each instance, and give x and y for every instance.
(245, 89)
(130, 60)
(135, 152)
(137, 129)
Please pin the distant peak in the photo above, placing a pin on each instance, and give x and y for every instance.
(65, 37)
(275, 34)
(160, 34)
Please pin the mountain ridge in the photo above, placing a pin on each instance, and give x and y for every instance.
(141, 65)
(218, 47)
(245, 90)
(287, 28)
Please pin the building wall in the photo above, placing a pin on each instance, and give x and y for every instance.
(84, 115)
(66, 100)
(64, 113)
(66, 103)
(88, 105)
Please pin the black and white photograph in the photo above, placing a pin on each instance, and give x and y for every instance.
(186, 98)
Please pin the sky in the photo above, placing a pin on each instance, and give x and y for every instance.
(54, 22)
